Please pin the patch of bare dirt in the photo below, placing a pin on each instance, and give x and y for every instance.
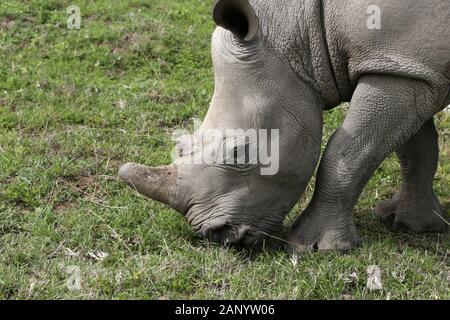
(63, 206)
(6, 24)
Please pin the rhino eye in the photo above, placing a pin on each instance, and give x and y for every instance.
(240, 157)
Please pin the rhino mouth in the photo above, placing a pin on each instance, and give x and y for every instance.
(226, 234)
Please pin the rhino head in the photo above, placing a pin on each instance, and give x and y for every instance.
(255, 88)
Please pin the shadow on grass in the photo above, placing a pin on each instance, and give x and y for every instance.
(372, 230)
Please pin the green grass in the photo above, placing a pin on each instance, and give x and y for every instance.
(75, 104)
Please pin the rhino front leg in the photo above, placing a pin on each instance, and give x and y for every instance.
(384, 113)
(416, 207)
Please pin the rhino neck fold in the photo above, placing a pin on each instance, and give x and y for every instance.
(296, 30)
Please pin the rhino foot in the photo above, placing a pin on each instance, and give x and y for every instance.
(410, 212)
(311, 232)
(416, 207)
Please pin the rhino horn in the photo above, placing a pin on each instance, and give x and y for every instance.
(156, 183)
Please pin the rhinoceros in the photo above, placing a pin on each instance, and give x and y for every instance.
(279, 64)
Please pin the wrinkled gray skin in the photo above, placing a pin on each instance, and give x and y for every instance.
(279, 64)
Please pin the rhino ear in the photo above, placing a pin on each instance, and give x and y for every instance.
(236, 16)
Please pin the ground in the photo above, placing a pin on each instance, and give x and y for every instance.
(75, 104)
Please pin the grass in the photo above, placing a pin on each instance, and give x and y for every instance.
(75, 104)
